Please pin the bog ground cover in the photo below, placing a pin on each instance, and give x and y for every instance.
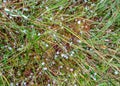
(60, 43)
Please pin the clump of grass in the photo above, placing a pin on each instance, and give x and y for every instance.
(60, 42)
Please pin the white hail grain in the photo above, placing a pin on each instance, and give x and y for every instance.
(75, 75)
(54, 81)
(17, 84)
(46, 45)
(72, 53)
(6, 9)
(4, 1)
(61, 7)
(45, 68)
(57, 52)
(85, 1)
(75, 84)
(55, 56)
(51, 18)
(24, 31)
(93, 77)
(79, 22)
(65, 80)
(116, 72)
(0, 74)
(64, 56)
(61, 67)
(24, 83)
(40, 73)
(43, 63)
(39, 34)
(48, 85)
(79, 41)
(25, 9)
(71, 69)
(62, 18)
(46, 8)
(10, 48)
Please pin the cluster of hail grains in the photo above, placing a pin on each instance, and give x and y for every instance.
(31, 75)
(72, 53)
(20, 48)
(25, 9)
(45, 44)
(44, 68)
(64, 56)
(24, 31)
(93, 76)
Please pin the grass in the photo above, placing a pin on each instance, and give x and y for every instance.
(60, 43)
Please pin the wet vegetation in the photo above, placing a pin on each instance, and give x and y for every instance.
(60, 43)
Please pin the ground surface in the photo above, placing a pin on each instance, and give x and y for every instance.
(60, 43)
